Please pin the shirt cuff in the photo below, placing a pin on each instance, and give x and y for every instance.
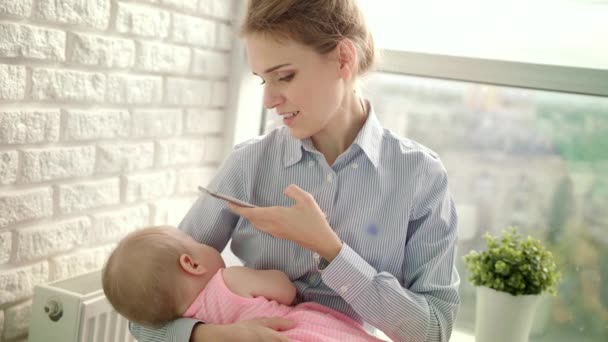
(348, 274)
(180, 330)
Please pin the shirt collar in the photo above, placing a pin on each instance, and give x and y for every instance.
(369, 139)
(370, 136)
(292, 153)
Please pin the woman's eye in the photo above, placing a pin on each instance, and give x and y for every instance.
(263, 82)
(287, 78)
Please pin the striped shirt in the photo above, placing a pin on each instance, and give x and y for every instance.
(387, 199)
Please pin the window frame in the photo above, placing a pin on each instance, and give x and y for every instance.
(565, 79)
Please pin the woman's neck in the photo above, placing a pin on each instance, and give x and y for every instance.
(342, 129)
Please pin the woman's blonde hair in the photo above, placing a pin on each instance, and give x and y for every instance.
(319, 24)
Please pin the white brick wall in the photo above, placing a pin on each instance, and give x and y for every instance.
(18, 283)
(17, 320)
(12, 82)
(111, 113)
(19, 9)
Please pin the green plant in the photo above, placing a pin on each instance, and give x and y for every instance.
(513, 265)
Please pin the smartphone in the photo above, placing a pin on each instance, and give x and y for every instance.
(226, 198)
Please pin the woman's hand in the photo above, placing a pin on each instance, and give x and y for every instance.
(304, 223)
(255, 330)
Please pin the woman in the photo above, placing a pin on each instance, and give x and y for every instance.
(361, 220)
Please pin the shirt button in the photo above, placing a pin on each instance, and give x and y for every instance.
(355, 165)
(315, 279)
(343, 289)
(311, 163)
(316, 257)
(330, 178)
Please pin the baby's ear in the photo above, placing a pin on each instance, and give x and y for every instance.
(191, 266)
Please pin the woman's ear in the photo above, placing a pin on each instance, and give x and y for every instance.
(191, 266)
(347, 58)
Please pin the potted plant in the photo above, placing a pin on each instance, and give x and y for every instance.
(510, 277)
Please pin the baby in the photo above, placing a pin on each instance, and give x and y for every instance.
(158, 274)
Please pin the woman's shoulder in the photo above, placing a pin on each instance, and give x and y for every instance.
(399, 145)
(400, 153)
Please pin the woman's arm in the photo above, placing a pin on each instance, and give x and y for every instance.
(424, 307)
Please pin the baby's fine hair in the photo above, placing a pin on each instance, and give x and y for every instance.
(139, 278)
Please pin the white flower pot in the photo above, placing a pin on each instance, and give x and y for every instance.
(502, 317)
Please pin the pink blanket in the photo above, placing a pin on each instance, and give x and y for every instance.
(216, 304)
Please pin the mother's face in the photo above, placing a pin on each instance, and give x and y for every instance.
(306, 88)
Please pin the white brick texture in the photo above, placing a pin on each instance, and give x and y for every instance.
(158, 57)
(91, 13)
(142, 21)
(21, 8)
(25, 205)
(31, 42)
(95, 125)
(113, 225)
(189, 5)
(217, 8)
(57, 163)
(8, 167)
(29, 127)
(5, 247)
(193, 30)
(130, 89)
(101, 51)
(18, 283)
(82, 261)
(17, 320)
(156, 123)
(68, 85)
(46, 239)
(188, 92)
(113, 158)
(74, 198)
(112, 112)
(149, 186)
(180, 151)
(12, 82)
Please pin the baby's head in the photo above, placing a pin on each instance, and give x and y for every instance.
(155, 273)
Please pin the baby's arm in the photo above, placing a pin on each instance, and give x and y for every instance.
(270, 284)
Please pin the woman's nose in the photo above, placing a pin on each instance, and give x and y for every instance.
(272, 98)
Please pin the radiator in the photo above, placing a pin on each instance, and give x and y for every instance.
(75, 310)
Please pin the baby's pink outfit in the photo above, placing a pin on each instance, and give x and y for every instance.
(216, 304)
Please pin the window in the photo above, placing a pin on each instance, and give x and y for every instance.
(555, 32)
